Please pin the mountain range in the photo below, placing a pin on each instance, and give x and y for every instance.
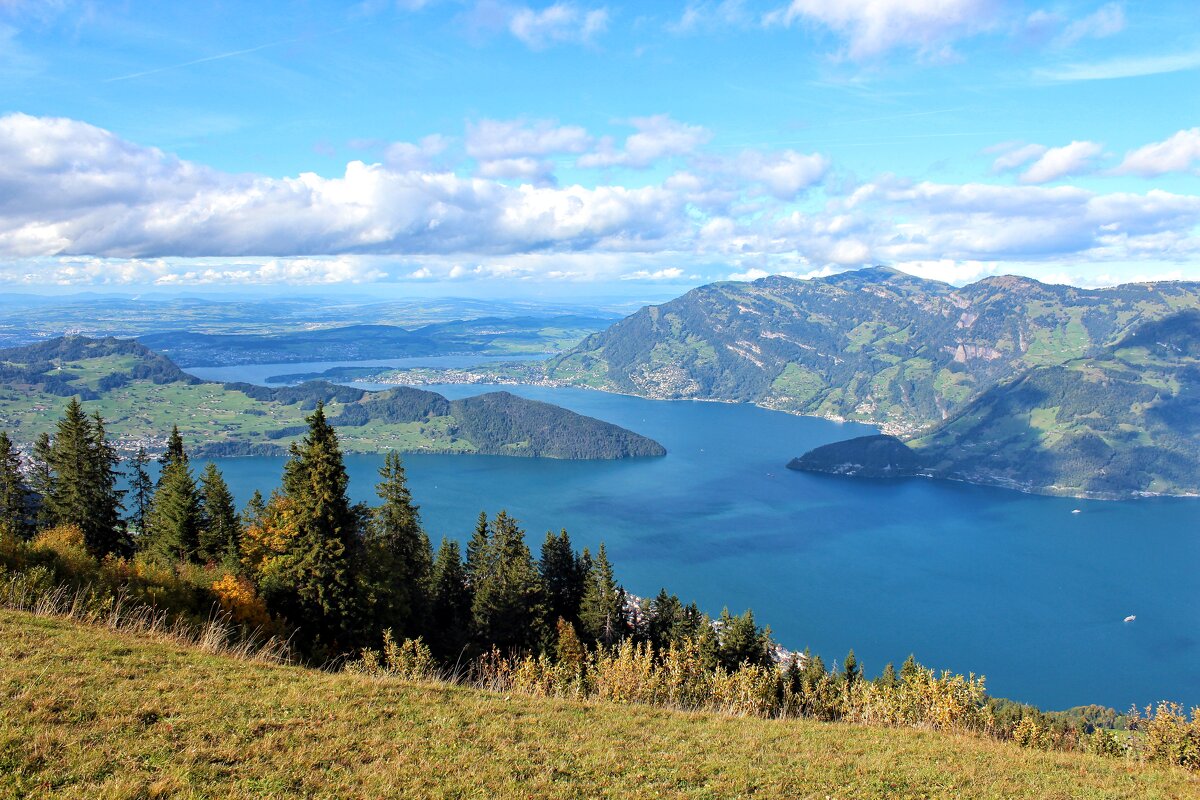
(1006, 381)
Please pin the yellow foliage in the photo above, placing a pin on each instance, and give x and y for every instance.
(266, 541)
(62, 539)
(239, 599)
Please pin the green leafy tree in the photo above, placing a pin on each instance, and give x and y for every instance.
(507, 607)
(562, 576)
(15, 506)
(400, 556)
(220, 533)
(602, 611)
(450, 603)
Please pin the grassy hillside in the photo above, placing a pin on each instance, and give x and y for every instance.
(141, 394)
(87, 712)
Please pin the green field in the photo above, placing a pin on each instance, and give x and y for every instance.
(87, 712)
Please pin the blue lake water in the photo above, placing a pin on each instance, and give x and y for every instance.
(970, 579)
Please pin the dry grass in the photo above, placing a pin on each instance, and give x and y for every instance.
(91, 712)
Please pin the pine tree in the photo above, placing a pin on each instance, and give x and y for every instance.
(254, 511)
(909, 668)
(317, 577)
(15, 506)
(400, 554)
(601, 612)
(220, 533)
(888, 679)
(142, 489)
(450, 603)
(562, 577)
(666, 615)
(507, 608)
(175, 524)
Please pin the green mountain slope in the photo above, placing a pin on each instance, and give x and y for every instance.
(86, 712)
(874, 345)
(1122, 423)
(141, 394)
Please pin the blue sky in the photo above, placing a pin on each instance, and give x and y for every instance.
(477, 148)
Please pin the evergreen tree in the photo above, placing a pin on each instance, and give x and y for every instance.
(909, 668)
(851, 671)
(400, 553)
(479, 552)
(562, 577)
(254, 511)
(507, 607)
(602, 612)
(83, 477)
(174, 454)
(742, 641)
(450, 603)
(888, 679)
(15, 506)
(109, 532)
(220, 533)
(316, 581)
(142, 489)
(174, 533)
(666, 617)
(41, 480)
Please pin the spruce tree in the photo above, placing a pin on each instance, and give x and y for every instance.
(175, 524)
(220, 533)
(254, 511)
(174, 454)
(665, 619)
(450, 603)
(507, 608)
(851, 671)
(601, 612)
(142, 489)
(400, 554)
(742, 641)
(479, 551)
(562, 577)
(15, 506)
(41, 480)
(317, 580)
(83, 469)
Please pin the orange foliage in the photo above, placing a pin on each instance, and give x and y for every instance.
(238, 598)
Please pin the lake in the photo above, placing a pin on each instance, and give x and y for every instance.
(968, 578)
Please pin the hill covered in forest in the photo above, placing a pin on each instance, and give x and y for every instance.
(873, 345)
(141, 394)
(1123, 422)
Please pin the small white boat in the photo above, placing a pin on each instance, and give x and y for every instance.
(1076, 511)
(1131, 618)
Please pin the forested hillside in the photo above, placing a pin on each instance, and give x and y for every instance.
(142, 394)
(1121, 423)
(874, 345)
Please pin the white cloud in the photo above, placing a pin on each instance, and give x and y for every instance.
(708, 15)
(1106, 21)
(491, 139)
(420, 156)
(1058, 162)
(1017, 156)
(1123, 68)
(1179, 153)
(657, 137)
(561, 23)
(875, 27)
(80, 205)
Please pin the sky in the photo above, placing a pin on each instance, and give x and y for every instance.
(493, 148)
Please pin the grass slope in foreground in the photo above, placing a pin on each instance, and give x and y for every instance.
(87, 712)
(141, 394)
